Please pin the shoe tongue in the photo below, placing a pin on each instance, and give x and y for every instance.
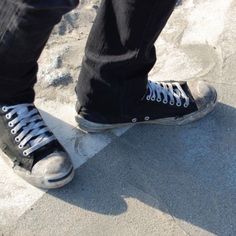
(182, 83)
(177, 92)
(187, 91)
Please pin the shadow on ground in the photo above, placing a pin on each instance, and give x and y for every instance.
(188, 172)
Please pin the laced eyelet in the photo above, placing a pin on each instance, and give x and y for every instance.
(10, 124)
(17, 140)
(13, 131)
(146, 118)
(134, 120)
(5, 109)
(8, 116)
(25, 153)
(168, 93)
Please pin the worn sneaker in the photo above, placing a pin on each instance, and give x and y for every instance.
(167, 103)
(32, 150)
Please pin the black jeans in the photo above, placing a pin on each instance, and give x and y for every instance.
(119, 53)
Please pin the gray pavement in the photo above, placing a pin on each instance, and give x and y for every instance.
(147, 179)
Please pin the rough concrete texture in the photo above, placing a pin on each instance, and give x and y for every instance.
(149, 180)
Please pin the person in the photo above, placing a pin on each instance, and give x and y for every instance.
(113, 88)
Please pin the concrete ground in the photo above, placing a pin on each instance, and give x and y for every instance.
(146, 179)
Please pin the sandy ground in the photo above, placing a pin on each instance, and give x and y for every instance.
(142, 180)
(60, 61)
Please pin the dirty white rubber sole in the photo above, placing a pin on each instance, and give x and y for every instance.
(47, 182)
(92, 127)
(43, 182)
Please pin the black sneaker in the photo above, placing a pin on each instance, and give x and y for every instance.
(32, 150)
(167, 103)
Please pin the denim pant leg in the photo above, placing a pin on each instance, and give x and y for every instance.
(119, 54)
(25, 26)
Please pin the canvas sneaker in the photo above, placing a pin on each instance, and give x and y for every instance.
(167, 103)
(31, 149)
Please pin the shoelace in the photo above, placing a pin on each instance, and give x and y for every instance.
(171, 93)
(28, 125)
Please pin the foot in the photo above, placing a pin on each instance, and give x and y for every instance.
(31, 149)
(168, 103)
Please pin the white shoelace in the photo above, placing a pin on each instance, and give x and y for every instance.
(28, 125)
(172, 93)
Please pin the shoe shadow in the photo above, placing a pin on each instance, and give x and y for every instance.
(188, 172)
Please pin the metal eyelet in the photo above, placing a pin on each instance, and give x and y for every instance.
(13, 131)
(17, 140)
(8, 116)
(165, 101)
(172, 103)
(25, 153)
(153, 99)
(146, 118)
(159, 100)
(10, 124)
(148, 98)
(178, 104)
(20, 146)
(134, 120)
(5, 109)
(186, 105)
